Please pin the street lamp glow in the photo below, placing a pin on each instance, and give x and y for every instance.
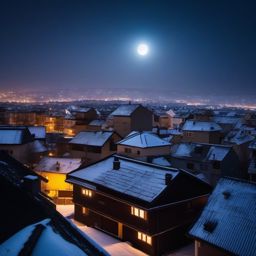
(142, 49)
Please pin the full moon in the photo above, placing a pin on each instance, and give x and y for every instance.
(142, 49)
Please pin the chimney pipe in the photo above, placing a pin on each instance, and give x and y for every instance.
(116, 163)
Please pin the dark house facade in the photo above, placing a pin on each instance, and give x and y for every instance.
(148, 205)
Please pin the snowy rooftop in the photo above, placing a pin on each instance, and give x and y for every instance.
(38, 131)
(125, 110)
(143, 140)
(226, 120)
(91, 138)
(97, 122)
(238, 137)
(48, 243)
(167, 131)
(37, 147)
(134, 178)
(191, 125)
(228, 220)
(58, 165)
(205, 152)
(11, 136)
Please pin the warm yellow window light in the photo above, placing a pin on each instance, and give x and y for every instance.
(138, 212)
(145, 238)
(87, 192)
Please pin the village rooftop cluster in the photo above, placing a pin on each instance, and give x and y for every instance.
(155, 176)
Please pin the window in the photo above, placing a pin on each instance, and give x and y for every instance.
(94, 149)
(145, 238)
(138, 152)
(127, 150)
(138, 213)
(87, 192)
(85, 211)
(78, 147)
(188, 134)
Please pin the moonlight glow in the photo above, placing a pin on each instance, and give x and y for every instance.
(142, 49)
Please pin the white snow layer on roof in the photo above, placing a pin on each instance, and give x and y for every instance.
(97, 122)
(49, 243)
(38, 131)
(215, 152)
(161, 161)
(191, 125)
(91, 138)
(58, 165)
(37, 147)
(135, 179)
(143, 140)
(10, 136)
(125, 110)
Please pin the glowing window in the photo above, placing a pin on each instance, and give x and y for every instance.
(145, 238)
(87, 192)
(85, 211)
(138, 212)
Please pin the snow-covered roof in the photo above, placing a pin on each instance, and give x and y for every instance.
(15, 135)
(228, 220)
(58, 165)
(91, 138)
(49, 242)
(226, 120)
(143, 140)
(10, 136)
(134, 178)
(204, 152)
(238, 137)
(167, 131)
(97, 122)
(38, 131)
(170, 112)
(125, 110)
(37, 147)
(191, 125)
(161, 161)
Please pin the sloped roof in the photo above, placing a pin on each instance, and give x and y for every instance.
(48, 242)
(58, 164)
(191, 125)
(134, 178)
(14, 135)
(38, 131)
(125, 110)
(207, 152)
(37, 147)
(238, 137)
(228, 220)
(143, 140)
(97, 122)
(90, 138)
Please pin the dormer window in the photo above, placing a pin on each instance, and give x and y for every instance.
(86, 192)
(138, 213)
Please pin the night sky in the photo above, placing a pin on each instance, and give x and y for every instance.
(195, 46)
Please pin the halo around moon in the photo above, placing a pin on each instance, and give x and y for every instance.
(142, 49)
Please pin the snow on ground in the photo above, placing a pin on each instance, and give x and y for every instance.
(112, 245)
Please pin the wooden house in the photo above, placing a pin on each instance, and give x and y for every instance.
(55, 169)
(132, 117)
(142, 145)
(208, 161)
(148, 205)
(17, 142)
(92, 146)
(227, 224)
(201, 132)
